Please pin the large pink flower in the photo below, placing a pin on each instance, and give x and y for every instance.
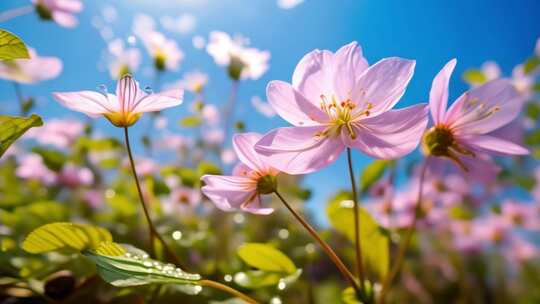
(60, 11)
(335, 101)
(124, 108)
(251, 179)
(466, 127)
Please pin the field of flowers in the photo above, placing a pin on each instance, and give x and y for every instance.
(447, 211)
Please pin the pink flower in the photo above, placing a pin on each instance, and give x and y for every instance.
(60, 11)
(32, 167)
(123, 60)
(251, 179)
(180, 199)
(124, 108)
(72, 176)
(521, 215)
(31, 70)
(336, 101)
(165, 52)
(465, 128)
(60, 133)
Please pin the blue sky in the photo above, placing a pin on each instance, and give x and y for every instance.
(432, 32)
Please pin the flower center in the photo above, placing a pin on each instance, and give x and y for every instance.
(342, 114)
(43, 11)
(266, 184)
(440, 141)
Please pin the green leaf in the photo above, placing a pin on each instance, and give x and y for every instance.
(372, 173)
(12, 127)
(12, 47)
(190, 121)
(134, 268)
(531, 64)
(348, 296)
(375, 244)
(533, 110)
(254, 279)
(265, 257)
(53, 159)
(206, 167)
(474, 77)
(65, 235)
(533, 138)
(536, 87)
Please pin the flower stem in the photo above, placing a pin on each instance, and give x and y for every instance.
(357, 244)
(16, 12)
(152, 229)
(408, 236)
(331, 254)
(229, 110)
(227, 289)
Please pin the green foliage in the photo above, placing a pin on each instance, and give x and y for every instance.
(190, 121)
(533, 111)
(372, 173)
(12, 47)
(25, 218)
(64, 235)
(206, 167)
(375, 244)
(12, 127)
(134, 268)
(53, 159)
(265, 257)
(474, 77)
(531, 64)
(273, 267)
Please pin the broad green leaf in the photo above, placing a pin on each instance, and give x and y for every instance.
(134, 269)
(254, 279)
(533, 110)
(375, 244)
(110, 249)
(372, 173)
(65, 235)
(190, 121)
(12, 47)
(12, 127)
(348, 296)
(265, 257)
(206, 167)
(531, 64)
(53, 159)
(474, 77)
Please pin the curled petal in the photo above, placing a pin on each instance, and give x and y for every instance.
(299, 150)
(390, 135)
(88, 102)
(230, 193)
(382, 84)
(244, 147)
(438, 96)
(128, 93)
(159, 101)
(292, 105)
(489, 143)
(485, 108)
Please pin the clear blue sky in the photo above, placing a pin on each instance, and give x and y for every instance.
(432, 32)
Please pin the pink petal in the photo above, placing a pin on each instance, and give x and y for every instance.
(438, 96)
(349, 64)
(314, 75)
(230, 193)
(88, 102)
(159, 101)
(390, 135)
(128, 93)
(485, 108)
(292, 105)
(244, 147)
(64, 19)
(241, 170)
(73, 6)
(383, 84)
(297, 150)
(493, 144)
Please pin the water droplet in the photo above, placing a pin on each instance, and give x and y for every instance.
(147, 264)
(228, 278)
(283, 234)
(148, 90)
(281, 285)
(275, 300)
